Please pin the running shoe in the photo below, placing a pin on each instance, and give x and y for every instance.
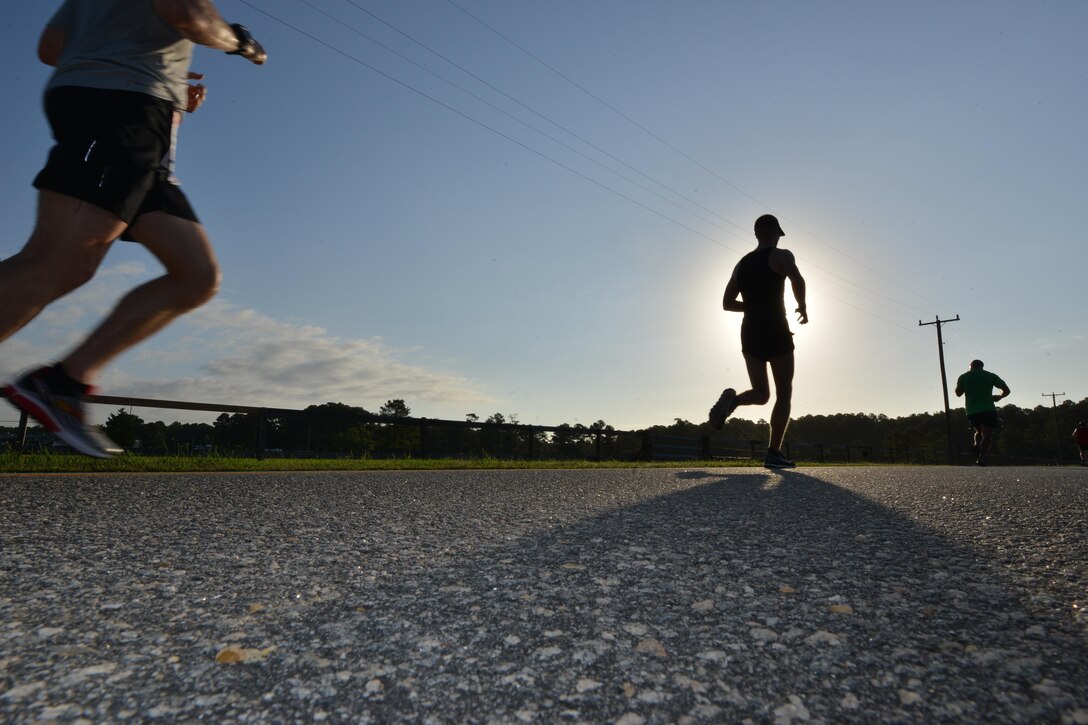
(775, 459)
(60, 413)
(725, 406)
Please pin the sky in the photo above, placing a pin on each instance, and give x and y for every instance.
(532, 208)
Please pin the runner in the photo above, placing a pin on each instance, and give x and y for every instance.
(978, 387)
(1080, 435)
(759, 280)
(122, 71)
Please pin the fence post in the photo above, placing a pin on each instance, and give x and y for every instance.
(424, 438)
(597, 447)
(262, 432)
(705, 444)
(848, 460)
(24, 423)
(647, 452)
(532, 443)
(821, 447)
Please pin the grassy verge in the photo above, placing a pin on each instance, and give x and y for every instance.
(63, 463)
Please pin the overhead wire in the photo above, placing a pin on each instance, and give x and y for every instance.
(487, 127)
(879, 296)
(521, 121)
(875, 296)
(673, 147)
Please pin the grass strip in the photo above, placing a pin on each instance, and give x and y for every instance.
(69, 463)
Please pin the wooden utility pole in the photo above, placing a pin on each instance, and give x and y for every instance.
(944, 378)
(1054, 403)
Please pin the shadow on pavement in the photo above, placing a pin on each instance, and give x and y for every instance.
(518, 596)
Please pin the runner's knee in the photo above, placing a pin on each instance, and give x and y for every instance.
(760, 396)
(199, 283)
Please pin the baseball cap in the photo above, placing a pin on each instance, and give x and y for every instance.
(768, 223)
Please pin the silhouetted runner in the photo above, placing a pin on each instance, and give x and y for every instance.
(1080, 435)
(759, 280)
(977, 385)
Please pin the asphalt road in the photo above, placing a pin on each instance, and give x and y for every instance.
(818, 595)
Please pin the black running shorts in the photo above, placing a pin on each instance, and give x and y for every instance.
(109, 151)
(765, 340)
(987, 418)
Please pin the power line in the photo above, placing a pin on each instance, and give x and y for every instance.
(673, 147)
(524, 123)
(532, 110)
(543, 155)
(483, 125)
(575, 135)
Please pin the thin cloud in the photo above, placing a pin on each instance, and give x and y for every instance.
(234, 355)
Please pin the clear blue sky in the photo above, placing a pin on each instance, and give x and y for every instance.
(546, 228)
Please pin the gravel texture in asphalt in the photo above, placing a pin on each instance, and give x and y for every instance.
(872, 594)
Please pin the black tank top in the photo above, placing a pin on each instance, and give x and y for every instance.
(761, 288)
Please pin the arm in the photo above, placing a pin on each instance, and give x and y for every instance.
(730, 302)
(51, 45)
(200, 22)
(783, 263)
(1004, 393)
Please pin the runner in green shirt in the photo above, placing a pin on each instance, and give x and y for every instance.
(978, 387)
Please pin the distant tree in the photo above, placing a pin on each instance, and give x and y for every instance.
(123, 427)
(395, 408)
(391, 438)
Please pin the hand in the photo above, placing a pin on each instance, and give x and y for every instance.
(248, 48)
(255, 53)
(197, 92)
(998, 397)
(802, 315)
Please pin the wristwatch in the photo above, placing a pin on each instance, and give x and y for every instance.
(245, 40)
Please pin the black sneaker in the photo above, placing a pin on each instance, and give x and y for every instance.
(725, 406)
(60, 413)
(775, 459)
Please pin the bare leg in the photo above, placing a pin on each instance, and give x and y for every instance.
(70, 239)
(760, 392)
(985, 440)
(782, 369)
(191, 279)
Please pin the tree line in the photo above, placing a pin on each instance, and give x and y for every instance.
(1029, 435)
(339, 430)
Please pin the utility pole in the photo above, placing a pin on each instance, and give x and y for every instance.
(1054, 403)
(944, 378)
